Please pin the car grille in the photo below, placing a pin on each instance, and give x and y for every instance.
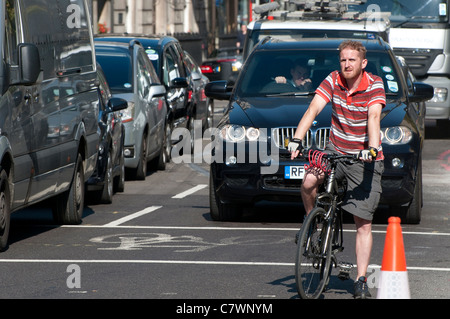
(315, 138)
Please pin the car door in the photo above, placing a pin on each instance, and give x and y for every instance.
(143, 90)
(174, 78)
(158, 109)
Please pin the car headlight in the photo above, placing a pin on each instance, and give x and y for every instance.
(440, 95)
(236, 66)
(238, 133)
(396, 135)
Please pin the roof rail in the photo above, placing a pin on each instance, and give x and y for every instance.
(315, 9)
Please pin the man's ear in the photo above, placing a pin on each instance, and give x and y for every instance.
(364, 63)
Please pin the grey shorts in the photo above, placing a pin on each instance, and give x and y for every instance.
(363, 187)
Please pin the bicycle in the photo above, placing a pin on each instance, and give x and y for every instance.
(321, 236)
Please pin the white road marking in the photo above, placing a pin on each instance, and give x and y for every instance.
(109, 225)
(132, 216)
(180, 262)
(190, 191)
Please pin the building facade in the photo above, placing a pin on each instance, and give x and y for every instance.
(201, 25)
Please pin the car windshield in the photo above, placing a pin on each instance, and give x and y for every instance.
(153, 56)
(402, 11)
(117, 66)
(301, 34)
(258, 78)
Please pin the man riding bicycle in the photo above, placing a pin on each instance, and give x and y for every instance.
(357, 99)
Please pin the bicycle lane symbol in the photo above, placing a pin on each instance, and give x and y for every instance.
(183, 243)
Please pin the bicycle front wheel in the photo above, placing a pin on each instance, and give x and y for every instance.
(313, 257)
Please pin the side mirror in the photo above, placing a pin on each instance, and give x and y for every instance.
(157, 90)
(116, 104)
(179, 83)
(422, 92)
(218, 90)
(29, 64)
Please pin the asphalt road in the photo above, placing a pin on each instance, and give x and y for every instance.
(157, 241)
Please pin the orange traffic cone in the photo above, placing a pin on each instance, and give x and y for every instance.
(393, 282)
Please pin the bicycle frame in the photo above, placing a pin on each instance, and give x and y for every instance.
(322, 250)
(329, 200)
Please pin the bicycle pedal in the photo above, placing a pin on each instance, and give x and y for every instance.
(344, 270)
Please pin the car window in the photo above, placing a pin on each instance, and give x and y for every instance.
(191, 64)
(11, 34)
(151, 72)
(170, 67)
(103, 88)
(142, 77)
(258, 77)
(118, 68)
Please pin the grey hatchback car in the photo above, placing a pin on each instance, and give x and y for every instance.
(131, 76)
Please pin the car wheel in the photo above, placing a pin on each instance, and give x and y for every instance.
(119, 182)
(220, 211)
(209, 115)
(412, 214)
(107, 192)
(163, 156)
(191, 127)
(167, 142)
(68, 206)
(141, 169)
(5, 210)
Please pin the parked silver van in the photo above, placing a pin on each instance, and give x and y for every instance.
(48, 107)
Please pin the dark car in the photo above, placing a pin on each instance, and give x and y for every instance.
(250, 158)
(109, 174)
(203, 105)
(166, 55)
(131, 76)
(223, 64)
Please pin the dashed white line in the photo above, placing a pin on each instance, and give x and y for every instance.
(132, 216)
(190, 191)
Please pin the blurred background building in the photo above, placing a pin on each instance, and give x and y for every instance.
(200, 25)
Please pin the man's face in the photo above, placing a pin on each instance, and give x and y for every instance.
(299, 74)
(352, 63)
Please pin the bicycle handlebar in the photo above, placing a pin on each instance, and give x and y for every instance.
(321, 160)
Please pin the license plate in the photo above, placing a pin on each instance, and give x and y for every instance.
(294, 172)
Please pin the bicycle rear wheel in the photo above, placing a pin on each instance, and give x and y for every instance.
(313, 260)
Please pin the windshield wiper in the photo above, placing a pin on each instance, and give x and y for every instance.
(291, 94)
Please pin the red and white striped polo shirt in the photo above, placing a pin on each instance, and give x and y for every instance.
(349, 113)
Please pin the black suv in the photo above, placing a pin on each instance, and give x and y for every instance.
(250, 158)
(166, 55)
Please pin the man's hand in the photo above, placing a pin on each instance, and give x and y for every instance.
(280, 79)
(368, 155)
(295, 147)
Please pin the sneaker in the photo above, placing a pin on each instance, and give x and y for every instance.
(361, 289)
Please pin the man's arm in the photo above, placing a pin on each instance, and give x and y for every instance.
(315, 107)
(373, 130)
(373, 125)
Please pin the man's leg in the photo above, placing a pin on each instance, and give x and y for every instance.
(313, 178)
(363, 244)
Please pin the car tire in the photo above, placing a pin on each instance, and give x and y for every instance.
(5, 210)
(209, 115)
(191, 128)
(119, 181)
(220, 211)
(107, 192)
(412, 213)
(163, 157)
(68, 206)
(141, 169)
